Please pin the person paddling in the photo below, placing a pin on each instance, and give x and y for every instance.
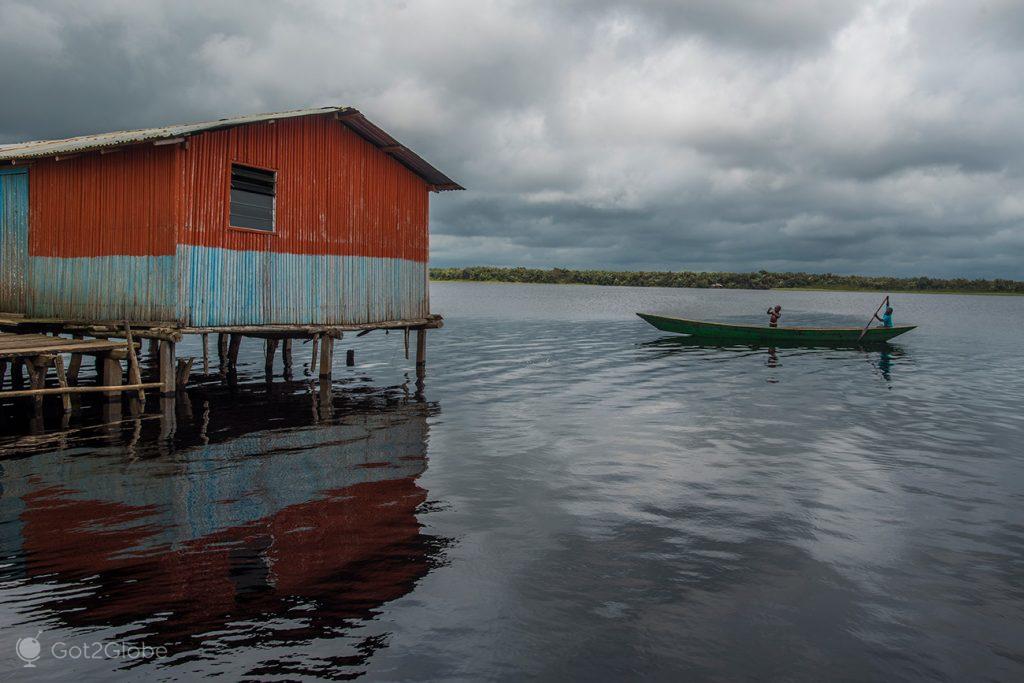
(886, 318)
(773, 316)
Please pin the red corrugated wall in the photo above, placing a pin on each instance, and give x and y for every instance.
(102, 236)
(122, 203)
(336, 195)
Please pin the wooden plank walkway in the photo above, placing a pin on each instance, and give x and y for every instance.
(20, 345)
(36, 353)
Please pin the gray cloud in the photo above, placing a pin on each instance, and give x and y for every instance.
(874, 137)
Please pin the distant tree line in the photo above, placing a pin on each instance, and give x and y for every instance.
(762, 279)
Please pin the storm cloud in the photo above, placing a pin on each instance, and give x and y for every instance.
(872, 137)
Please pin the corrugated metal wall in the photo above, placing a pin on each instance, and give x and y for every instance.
(13, 239)
(142, 233)
(350, 243)
(102, 236)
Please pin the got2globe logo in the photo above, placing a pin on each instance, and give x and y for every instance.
(29, 649)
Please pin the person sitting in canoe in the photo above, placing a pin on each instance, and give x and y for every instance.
(773, 316)
(886, 318)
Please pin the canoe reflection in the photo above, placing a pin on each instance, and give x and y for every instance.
(310, 524)
(710, 350)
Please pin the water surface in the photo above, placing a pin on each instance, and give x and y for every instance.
(573, 494)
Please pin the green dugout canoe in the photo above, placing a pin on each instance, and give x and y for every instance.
(763, 333)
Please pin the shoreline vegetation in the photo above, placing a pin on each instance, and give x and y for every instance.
(759, 280)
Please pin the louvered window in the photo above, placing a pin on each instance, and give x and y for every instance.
(252, 197)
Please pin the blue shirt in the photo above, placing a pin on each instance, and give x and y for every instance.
(887, 320)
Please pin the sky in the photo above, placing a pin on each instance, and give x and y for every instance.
(868, 137)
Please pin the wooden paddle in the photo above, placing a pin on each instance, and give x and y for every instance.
(885, 302)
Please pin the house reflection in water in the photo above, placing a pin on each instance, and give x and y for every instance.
(303, 527)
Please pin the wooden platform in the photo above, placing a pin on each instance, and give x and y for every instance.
(13, 345)
(36, 344)
(34, 354)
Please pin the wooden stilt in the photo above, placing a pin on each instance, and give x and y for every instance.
(134, 374)
(75, 365)
(168, 381)
(17, 374)
(62, 381)
(222, 353)
(271, 349)
(183, 371)
(112, 376)
(37, 377)
(314, 358)
(233, 346)
(421, 348)
(326, 357)
(206, 355)
(286, 353)
(350, 357)
(406, 343)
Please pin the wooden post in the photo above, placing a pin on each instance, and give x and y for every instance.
(206, 355)
(134, 374)
(286, 353)
(168, 384)
(271, 349)
(233, 346)
(112, 376)
(326, 357)
(76, 364)
(62, 381)
(406, 343)
(421, 349)
(183, 371)
(350, 357)
(37, 376)
(222, 352)
(313, 359)
(17, 375)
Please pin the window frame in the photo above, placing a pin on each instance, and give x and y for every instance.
(227, 207)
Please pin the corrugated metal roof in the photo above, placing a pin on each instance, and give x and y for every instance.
(39, 149)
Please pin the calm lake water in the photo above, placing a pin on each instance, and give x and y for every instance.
(574, 495)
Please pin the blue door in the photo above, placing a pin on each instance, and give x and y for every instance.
(13, 239)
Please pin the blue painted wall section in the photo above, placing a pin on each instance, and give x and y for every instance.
(13, 238)
(230, 287)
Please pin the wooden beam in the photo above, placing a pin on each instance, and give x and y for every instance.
(76, 390)
(168, 141)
